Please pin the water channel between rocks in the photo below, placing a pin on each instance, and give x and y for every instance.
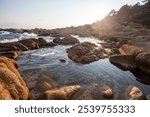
(46, 61)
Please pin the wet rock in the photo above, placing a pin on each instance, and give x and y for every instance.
(11, 81)
(63, 93)
(30, 81)
(30, 43)
(136, 94)
(49, 44)
(140, 56)
(41, 42)
(57, 40)
(125, 62)
(95, 92)
(107, 92)
(44, 82)
(143, 62)
(86, 52)
(68, 40)
(90, 92)
(12, 46)
(25, 45)
(62, 60)
(130, 50)
(10, 54)
(109, 52)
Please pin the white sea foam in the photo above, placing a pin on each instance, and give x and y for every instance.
(42, 55)
(48, 38)
(88, 39)
(4, 32)
(28, 36)
(8, 40)
(6, 37)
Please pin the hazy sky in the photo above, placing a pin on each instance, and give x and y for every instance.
(55, 13)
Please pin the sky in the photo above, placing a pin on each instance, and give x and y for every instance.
(51, 14)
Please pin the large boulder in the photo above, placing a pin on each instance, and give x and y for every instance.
(30, 43)
(86, 52)
(68, 40)
(41, 42)
(130, 50)
(133, 55)
(125, 62)
(143, 62)
(11, 83)
(63, 93)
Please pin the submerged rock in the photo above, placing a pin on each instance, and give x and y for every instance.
(87, 93)
(136, 94)
(125, 62)
(68, 40)
(62, 60)
(45, 83)
(11, 81)
(95, 92)
(86, 52)
(63, 93)
(148, 97)
(143, 62)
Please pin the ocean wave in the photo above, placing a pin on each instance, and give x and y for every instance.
(8, 40)
(89, 39)
(4, 33)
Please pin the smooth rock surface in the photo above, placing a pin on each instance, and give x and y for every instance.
(68, 40)
(107, 92)
(125, 62)
(130, 50)
(136, 94)
(86, 52)
(143, 62)
(63, 93)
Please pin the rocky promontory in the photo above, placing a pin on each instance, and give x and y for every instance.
(133, 58)
(12, 86)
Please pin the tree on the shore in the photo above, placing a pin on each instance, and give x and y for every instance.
(112, 12)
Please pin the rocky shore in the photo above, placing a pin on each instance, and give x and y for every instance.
(14, 85)
(126, 43)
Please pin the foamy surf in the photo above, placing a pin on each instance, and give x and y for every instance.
(88, 39)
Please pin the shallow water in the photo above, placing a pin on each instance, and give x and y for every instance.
(102, 72)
